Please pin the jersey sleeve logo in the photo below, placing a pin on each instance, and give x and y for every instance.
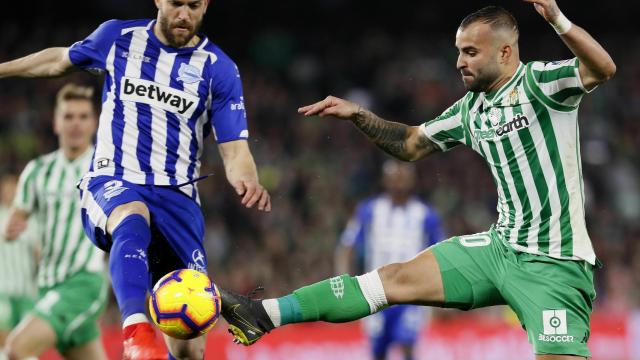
(188, 74)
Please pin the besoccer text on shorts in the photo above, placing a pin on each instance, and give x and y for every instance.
(537, 258)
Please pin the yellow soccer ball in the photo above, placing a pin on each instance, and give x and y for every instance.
(185, 304)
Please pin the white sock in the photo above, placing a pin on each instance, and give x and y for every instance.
(272, 308)
(135, 319)
(372, 289)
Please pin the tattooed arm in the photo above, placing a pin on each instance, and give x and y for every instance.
(401, 141)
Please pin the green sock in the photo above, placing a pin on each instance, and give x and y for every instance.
(336, 300)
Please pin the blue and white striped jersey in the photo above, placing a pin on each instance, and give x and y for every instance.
(383, 233)
(159, 103)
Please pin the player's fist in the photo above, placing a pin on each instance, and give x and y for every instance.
(331, 105)
(253, 193)
(547, 8)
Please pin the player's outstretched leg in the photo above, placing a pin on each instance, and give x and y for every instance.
(128, 225)
(247, 318)
(338, 299)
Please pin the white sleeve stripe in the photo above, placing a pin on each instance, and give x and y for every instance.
(426, 133)
(542, 66)
(553, 87)
(580, 84)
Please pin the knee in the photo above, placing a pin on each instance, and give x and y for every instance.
(417, 281)
(394, 275)
(123, 211)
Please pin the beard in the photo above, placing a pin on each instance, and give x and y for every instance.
(483, 79)
(180, 39)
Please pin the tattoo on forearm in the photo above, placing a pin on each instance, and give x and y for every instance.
(425, 146)
(387, 135)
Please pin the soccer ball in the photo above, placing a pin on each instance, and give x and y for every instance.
(185, 304)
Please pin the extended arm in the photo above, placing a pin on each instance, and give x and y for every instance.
(49, 62)
(242, 174)
(596, 66)
(401, 141)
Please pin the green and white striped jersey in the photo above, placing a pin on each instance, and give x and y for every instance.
(18, 261)
(47, 190)
(527, 132)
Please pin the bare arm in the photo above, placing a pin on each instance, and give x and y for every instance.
(596, 65)
(49, 62)
(16, 224)
(401, 141)
(242, 174)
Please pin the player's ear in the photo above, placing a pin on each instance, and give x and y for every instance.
(157, 3)
(505, 52)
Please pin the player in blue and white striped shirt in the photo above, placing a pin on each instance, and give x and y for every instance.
(389, 228)
(166, 88)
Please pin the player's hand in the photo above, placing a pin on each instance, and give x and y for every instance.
(14, 228)
(253, 193)
(331, 105)
(547, 8)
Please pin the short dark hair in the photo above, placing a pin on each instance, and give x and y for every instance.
(496, 16)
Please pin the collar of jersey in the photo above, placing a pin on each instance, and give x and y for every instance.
(497, 98)
(79, 160)
(171, 49)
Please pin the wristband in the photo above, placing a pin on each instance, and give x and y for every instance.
(561, 25)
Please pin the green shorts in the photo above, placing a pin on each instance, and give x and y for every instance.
(73, 307)
(552, 298)
(13, 309)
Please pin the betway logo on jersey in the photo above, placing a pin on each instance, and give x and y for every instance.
(156, 95)
(520, 121)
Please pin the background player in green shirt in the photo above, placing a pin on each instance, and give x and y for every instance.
(71, 281)
(17, 266)
(537, 258)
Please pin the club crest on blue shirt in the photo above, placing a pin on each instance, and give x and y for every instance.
(188, 74)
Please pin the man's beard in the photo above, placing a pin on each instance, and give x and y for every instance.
(172, 39)
(483, 80)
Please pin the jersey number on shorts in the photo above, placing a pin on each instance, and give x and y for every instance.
(475, 240)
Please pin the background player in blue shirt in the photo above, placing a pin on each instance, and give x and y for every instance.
(166, 88)
(388, 228)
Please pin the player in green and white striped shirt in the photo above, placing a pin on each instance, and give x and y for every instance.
(17, 266)
(71, 281)
(537, 258)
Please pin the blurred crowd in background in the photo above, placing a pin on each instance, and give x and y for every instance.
(318, 169)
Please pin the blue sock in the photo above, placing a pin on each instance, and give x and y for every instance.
(128, 264)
